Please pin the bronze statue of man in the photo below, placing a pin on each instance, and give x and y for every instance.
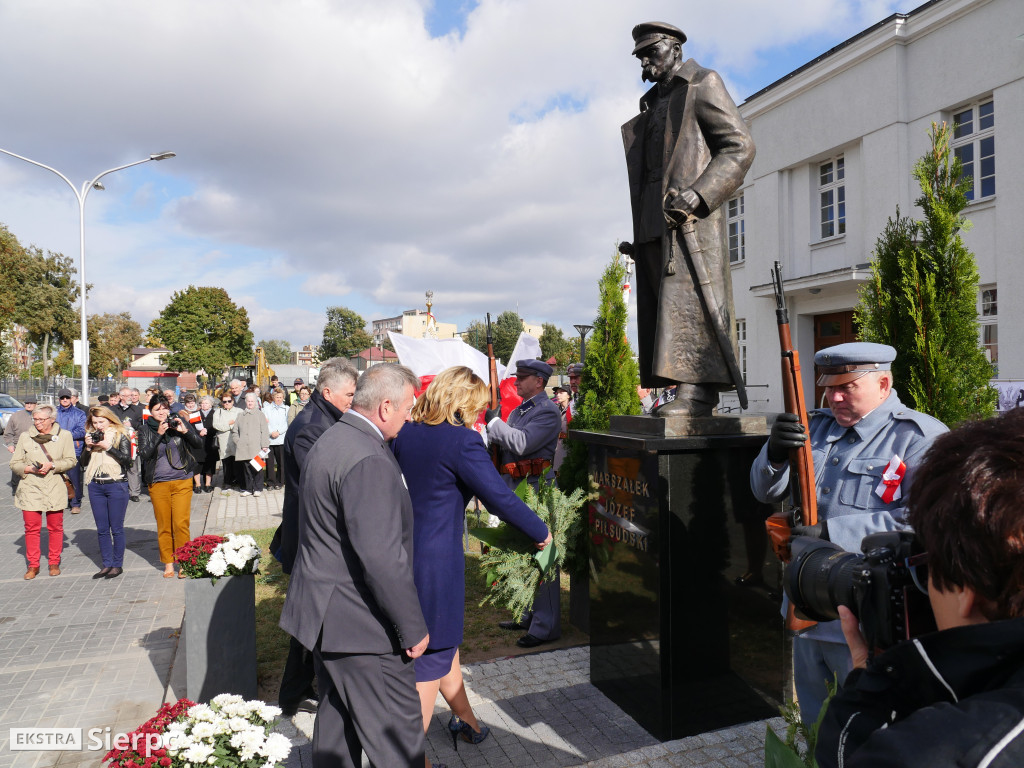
(687, 153)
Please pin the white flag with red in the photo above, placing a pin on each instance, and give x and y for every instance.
(259, 461)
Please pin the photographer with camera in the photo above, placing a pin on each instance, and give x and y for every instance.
(106, 460)
(954, 697)
(865, 446)
(166, 443)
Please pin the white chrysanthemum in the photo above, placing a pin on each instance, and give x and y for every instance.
(198, 753)
(266, 712)
(248, 743)
(238, 724)
(204, 730)
(234, 559)
(217, 564)
(201, 712)
(276, 748)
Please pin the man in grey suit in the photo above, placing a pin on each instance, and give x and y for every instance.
(528, 442)
(352, 600)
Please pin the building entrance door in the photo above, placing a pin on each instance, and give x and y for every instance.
(829, 330)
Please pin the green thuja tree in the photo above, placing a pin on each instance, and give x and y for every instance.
(922, 296)
(607, 388)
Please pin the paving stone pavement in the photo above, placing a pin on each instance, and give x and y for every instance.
(104, 654)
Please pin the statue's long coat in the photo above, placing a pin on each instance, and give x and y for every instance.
(708, 149)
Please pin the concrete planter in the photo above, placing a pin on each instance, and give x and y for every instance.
(220, 637)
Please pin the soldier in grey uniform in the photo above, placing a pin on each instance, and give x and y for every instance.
(528, 443)
(864, 433)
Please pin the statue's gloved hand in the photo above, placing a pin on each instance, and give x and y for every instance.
(679, 205)
(787, 433)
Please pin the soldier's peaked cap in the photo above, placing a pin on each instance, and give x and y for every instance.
(651, 32)
(533, 368)
(844, 363)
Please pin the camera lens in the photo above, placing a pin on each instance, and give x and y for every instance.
(820, 578)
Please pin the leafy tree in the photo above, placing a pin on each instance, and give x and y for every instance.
(476, 335)
(203, 328)
(38, 290)
(386, 344)
(607, 388)
(923, 293)
(278, 351)
(344, 334)
(554, 344)
(505, 330)
(111, 339)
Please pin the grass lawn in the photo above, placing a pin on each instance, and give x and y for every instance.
(482, 639)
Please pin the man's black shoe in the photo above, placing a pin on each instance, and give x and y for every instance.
(134, 498)
(529, 641)
(512, 625)
(303, 705)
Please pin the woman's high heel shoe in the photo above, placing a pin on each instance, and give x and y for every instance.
(457, 728)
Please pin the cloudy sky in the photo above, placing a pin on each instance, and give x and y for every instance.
(354, 152)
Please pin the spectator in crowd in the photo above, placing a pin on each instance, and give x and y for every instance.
(299, 400)
(223, 422)
(237, 388)
(209, 435)
(251, 438)
(294, 395)
(173, 401)
(277, 422)
(129, 413)
(19, 423)
(333, 396)
(136, 398)
(953, 697)
(72, 420)
(40, 457)
(561, 399)
(445, 463)
(112, 399)
(166, 446)
(80, 406)
(103, 400)
(106, 462)
(195, 418)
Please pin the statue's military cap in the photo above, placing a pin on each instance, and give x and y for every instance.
(844, 363)
(651, 32)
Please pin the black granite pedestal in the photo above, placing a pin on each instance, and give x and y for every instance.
(679, 639)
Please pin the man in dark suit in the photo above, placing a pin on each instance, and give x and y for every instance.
(687, 153)
(352, 599)
(528, 442)
(333, 396)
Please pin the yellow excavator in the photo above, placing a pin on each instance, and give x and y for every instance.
(259, 373)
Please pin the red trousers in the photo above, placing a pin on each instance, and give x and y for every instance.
(55, 528)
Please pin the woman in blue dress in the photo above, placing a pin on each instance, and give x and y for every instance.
(446, 463)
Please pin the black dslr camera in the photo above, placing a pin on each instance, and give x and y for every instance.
(886, 587)
(97, 436)
(173, 422)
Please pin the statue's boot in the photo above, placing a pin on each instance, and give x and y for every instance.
(695, 400)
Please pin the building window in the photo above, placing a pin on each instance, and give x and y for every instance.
(741, 339)
(737, 237)
(974, 142)
(832, 197)
(989, 326)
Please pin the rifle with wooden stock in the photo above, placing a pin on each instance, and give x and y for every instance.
(805, 509)
(493, 385)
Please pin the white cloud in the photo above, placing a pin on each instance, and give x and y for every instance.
(332, 152)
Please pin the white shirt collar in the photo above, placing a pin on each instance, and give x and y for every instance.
(376, 429)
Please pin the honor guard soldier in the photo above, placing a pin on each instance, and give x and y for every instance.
(865, 444)
(527, 444)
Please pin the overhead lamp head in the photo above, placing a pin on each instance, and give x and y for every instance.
(161, 156)
(98, 185)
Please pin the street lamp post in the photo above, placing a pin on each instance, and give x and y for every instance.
(81, 196)
(583, 331)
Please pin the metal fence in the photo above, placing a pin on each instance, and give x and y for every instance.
(46, 390)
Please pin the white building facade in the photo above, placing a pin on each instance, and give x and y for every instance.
(836, 142)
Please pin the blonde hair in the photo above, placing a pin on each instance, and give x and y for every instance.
(456, 395)
(106, 413)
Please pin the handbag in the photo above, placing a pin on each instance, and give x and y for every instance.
(67, 483)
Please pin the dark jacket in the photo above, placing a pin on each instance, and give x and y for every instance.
(131, 413)
(352, 588)
(150, 439)
(953, 698)
(316, 417)
(444, 466)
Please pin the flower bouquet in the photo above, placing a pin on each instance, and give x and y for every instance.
(217, 556)
(228, 732)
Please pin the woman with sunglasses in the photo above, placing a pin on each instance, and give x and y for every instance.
(40, 458)
(223, 421)
(165, 446)
(106, 462)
